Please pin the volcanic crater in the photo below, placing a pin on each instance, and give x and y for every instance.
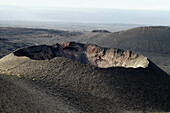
(88, 78)
(86, 54)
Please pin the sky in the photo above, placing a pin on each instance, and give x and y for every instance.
(111, 4)
(150, 12)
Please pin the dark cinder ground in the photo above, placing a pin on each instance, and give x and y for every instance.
(85, 88)
(22, 96)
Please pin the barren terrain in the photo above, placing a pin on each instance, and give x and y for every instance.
(152, 42)
(40, 73)
(77, 87)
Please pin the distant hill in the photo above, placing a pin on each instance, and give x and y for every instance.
(155, 39)
(74, 72)
(144, 39)
(153, 42)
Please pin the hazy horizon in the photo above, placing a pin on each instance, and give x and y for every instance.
(148, 12)
(84, 15)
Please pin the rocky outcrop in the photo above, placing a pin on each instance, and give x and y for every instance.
(86, 54)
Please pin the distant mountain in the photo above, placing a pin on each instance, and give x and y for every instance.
(90, 78)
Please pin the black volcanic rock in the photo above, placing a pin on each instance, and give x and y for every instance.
(89, 87)
(101, 31)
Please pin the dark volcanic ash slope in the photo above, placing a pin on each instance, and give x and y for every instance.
(20, 96)
(78, 74)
